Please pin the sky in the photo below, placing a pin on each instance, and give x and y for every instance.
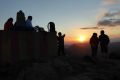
(74, 18)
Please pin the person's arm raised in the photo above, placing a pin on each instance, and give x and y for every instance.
(64, 35)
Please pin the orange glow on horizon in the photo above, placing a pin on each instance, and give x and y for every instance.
(82, 39)
(77, 39)
(83, 36)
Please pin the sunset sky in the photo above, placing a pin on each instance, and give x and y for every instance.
(75, 18)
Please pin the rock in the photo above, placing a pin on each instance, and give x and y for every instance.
(114, 56)
(71, 78)
(62, 66)
(78, 77)
(89, 59)
(38, 71)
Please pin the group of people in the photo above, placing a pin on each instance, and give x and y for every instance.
(103, 40)
(23, 24)
(20, 24)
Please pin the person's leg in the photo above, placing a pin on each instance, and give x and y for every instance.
(102, 50)
(63, 53)
(96, 49)
(93, 51)
(59, 51)
(106, 51)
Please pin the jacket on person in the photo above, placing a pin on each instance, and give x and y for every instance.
(104, 39)
(94, 41)
(8, 25)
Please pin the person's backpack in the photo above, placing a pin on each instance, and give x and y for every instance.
(51, 27)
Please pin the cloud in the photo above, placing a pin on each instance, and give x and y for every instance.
(104, 11)
(105, 23)
(101, 13)
(110, 19)
(91, 28)
(105, 4)
(112, 14)
(106, 18)
(117, 22)
(110, 2)
(109, 23)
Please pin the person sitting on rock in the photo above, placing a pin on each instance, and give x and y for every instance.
(20, 24)
(8, 25)
(29, 25)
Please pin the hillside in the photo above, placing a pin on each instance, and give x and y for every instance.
(63, 68)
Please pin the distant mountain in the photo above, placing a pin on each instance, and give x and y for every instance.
(115, 47)
(80, 49)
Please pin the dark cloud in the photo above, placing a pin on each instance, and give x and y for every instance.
(110, 19)
(91, 28)
(117, 22)
(105, 23)
(109, 22)
(112, 14)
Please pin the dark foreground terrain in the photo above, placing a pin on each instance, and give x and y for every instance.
(63, 68)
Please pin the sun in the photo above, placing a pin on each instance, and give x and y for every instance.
(82, 39)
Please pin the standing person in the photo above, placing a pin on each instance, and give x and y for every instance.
(29, 25)
(60, 39)
(104, 41)
(94, 41)
(8, 24)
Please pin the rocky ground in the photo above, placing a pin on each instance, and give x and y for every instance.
(63, 68)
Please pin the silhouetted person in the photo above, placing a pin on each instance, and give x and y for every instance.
(20, 23)
(51, 27)
(39, 29)
(29, 25)
(104, 41)
(8, 25)
(60, 39)
(94, 41)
